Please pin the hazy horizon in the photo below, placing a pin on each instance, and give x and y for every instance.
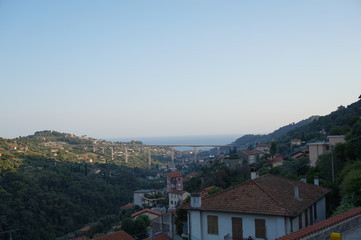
(169, 68)
(179, 140)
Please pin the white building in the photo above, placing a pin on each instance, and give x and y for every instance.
(139, 196)
(267, 207)
(176, 198)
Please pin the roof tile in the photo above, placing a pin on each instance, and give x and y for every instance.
(268, 194)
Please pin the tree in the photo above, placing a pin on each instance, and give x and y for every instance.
(273, 149)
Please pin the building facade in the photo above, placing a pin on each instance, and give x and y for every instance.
(267, 207)
(174, 181)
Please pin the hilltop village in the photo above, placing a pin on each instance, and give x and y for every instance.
(289, 183)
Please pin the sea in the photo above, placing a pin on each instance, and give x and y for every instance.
(183, 140)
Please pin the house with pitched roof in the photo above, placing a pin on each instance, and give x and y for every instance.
(139, 196)
(251, 156)
(176, 198)
(174, 181)
(266, 207)
(152, 214)
(263, 147)
(317, 148)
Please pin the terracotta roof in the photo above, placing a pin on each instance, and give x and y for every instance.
(120, 235)
(84, 229)
(128, 205)
(263, 145)
(146, 210)
(191, 175)
(329, 222)
(252, 152)
(179, 192)
(248, 152)
(174, 174)
(277, 158)
(257, 151)
(268, 194)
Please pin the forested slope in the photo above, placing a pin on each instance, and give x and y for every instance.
(41, 198)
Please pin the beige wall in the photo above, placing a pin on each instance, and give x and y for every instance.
(314, 151)
(333, 140)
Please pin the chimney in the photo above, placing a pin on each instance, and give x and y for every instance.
(316, 181)
(296, 192)
(254, 173)
(196, 201)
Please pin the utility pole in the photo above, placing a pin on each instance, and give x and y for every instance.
(332, 165)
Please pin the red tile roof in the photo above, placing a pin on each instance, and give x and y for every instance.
(268, 194)
(120, 235)
(174, 174)
(252, 152)
(317, 227)
(128, 205)
(146, 210)
(84, 229)
(248, 152)
(263, 145)
(277, 158)
(179, 192)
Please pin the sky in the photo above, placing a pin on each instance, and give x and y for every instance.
(110, 69)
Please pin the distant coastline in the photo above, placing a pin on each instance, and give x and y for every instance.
(182, 140)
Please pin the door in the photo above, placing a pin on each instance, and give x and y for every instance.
(237, 228)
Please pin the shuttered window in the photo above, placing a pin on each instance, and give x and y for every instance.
(237, 229)
(260, 228)
(212, 222)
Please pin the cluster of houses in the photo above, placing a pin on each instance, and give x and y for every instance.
(265, 207)
(297, 147)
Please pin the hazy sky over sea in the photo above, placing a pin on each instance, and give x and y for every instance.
(110, 69)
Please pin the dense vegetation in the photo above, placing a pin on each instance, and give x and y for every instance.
(250, 139)
(44, 198)
(49, 191)
(339, 169)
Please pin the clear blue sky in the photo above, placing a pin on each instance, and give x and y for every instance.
(168, 68)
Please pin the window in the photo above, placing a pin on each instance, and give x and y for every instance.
(300, 221)
(311, 215)
(306, 218)
(237, 229)
(212, 222)
(260, 227)
(315, 210)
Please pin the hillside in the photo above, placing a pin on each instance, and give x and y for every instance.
(251, 139)
(315, 128)
(53, 183)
